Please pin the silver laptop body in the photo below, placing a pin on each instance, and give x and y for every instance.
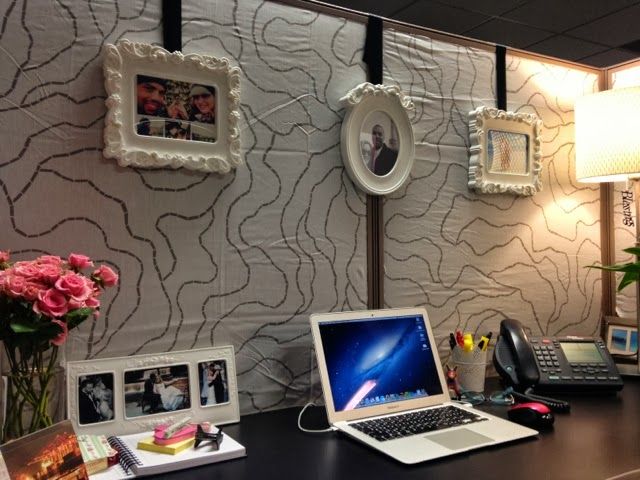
(382, 363)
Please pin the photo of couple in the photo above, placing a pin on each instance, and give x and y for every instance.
(173, 109)
(95, 398)
(214, 388)
(156, 390)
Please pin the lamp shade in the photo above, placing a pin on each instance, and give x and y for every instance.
(608, 135)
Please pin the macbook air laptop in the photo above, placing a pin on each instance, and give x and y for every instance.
(383, 385)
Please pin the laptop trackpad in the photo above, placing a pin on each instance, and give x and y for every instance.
(457, 439)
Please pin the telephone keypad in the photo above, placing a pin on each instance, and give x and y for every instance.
(547, 360)
(554, 368)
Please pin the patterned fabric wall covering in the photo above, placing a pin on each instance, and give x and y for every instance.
(470, 259)
(243, 259)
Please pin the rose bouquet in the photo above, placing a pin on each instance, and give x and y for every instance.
(40, 301)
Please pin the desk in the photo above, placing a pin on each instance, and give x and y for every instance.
(600, 438)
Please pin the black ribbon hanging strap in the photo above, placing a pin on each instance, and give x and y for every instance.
(501, 77)
(375, 247)
(172, 25)
(373, 49)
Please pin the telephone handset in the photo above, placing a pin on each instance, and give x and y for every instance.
(513, 356)
(553, 364)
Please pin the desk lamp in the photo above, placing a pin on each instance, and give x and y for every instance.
(608, 150)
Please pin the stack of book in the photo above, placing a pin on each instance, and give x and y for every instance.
(96, 453)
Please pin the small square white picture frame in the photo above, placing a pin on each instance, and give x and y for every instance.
(513, 137)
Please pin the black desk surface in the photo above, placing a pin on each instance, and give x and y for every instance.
(600, 438)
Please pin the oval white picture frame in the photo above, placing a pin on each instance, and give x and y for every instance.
(123, 63)
(361, 103)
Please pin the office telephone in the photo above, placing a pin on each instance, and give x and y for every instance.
(554, 364)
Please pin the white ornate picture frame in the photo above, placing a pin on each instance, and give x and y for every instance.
(377, 141)
(505, 153)
(127, 377)
(158, 114)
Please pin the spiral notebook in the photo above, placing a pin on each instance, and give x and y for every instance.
(138, 463)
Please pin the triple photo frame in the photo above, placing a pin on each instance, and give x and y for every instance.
(134, 394)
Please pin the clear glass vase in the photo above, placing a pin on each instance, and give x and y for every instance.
(34, 386)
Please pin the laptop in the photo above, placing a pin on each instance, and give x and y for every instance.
(383, 385)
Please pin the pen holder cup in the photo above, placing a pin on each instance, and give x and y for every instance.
(471, 368)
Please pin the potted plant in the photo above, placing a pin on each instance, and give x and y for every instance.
(631, 269)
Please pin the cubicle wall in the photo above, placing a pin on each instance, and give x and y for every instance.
(627, 75)
(244, 258)
(475, 259)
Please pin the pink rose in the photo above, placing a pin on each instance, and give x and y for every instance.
(32, 290)
(49, 260)
(62, 336)
(51, 303)
(75, 286)
(49, 273)
(14, 285)
(106, 276)
(78, 261)
(92, 302)
(26, 269)
(4, 256)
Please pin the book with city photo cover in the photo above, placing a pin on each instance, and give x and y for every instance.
(52, 453)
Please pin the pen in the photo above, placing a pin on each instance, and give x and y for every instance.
(173, 428)
(484, 341)
(452, 341)
(467, 345)
(459, 338)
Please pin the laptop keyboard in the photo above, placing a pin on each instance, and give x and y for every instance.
(413, 423)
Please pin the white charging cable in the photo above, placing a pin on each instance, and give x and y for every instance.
(306, 430)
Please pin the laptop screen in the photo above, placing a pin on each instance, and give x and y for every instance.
(372, 361)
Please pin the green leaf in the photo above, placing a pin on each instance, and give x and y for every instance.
(622, 267)
(23, 327)
(628, 279)
(74, 322)
(50, 330)
(632, 250)
(79, 312)
(76, 317)
(629, 267)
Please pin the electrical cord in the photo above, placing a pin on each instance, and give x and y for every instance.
(306, 430)
(630, 475)
(559, 406)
